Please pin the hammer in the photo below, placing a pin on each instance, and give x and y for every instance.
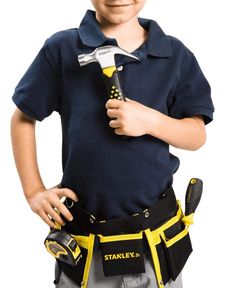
(105, 56)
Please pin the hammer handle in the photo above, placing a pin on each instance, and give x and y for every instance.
(112, 83)
(113, 87)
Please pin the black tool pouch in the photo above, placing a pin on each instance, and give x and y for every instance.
(122, 254)
(178, 247)
(170, 247)
(75, 272)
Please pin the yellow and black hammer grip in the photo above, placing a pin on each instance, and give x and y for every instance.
(112, 83)
(113, 87)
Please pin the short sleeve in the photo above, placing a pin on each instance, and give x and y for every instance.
(192, 94)
(38, 92)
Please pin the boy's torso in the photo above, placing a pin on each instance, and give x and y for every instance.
(112, 176)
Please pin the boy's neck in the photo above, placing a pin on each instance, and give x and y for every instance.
(130, 34)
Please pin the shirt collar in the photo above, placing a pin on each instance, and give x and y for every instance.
(157, 44)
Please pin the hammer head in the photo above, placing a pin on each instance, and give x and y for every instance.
(104, 55)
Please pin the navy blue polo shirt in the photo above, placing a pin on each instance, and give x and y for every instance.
(113, 177)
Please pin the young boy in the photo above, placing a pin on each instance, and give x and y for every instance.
(110, 177)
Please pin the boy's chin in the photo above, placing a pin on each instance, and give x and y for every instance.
(119, 19)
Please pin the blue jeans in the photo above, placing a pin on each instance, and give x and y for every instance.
(98, 280)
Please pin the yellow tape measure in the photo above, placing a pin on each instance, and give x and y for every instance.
(63, 246)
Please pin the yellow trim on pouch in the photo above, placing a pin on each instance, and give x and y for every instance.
(135, 236)
(91, 238)
(188, 220)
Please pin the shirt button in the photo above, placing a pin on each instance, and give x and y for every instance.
(120, 68)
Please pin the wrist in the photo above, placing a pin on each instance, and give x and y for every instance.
(32, 192)
(153, 120)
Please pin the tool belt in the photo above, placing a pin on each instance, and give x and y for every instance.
(162, 227)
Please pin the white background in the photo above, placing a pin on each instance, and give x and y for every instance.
(207, 28)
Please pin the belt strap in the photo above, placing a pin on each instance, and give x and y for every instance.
(149, 218)
(88, 260)
(86, 242)
(155, 258)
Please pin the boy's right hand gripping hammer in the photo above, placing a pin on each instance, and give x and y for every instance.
(105, 56)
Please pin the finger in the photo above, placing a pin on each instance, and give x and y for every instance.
(112, 113)
(118, 132)
(114, 124)
(113, 103)
(55, 216)
(68, 193)
(46, 219)
(63, 210)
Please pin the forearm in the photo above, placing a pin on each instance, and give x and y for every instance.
(24, 150)
(187, 133)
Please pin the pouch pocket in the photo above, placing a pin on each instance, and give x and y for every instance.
(178, 247)
(122, 254)
(75, 272)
